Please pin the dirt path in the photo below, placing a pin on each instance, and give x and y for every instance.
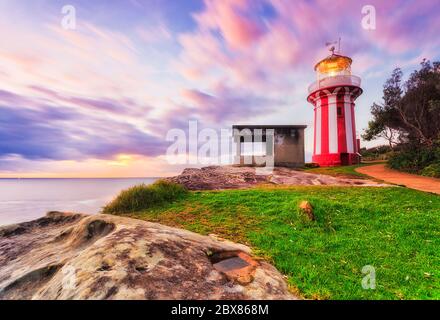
(379, 171)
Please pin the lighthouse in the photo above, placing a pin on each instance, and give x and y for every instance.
(333, 96)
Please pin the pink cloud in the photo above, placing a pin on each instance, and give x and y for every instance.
(259, 53)
(404, 27)
(202, 53)
(239, 28)
(225, 104)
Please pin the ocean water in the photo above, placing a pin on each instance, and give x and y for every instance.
(27, 199)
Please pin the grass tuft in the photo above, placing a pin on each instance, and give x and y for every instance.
(142, 197)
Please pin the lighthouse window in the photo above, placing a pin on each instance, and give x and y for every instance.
(339, 112)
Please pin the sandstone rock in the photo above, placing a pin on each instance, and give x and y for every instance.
(218, 177)
(75, 256)
(237, 177)
(306, 209)
(237, 266)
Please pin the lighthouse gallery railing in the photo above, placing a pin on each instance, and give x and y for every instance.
(343, 80)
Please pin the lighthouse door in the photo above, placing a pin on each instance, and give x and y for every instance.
(345, 159)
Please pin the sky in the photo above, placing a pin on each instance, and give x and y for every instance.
(99, 100)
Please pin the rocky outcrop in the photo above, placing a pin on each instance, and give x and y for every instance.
(75, 256)
(236, 177)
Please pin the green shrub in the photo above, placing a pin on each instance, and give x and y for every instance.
(143, 197)
(376, 153)
(415, 159)
(433, 170)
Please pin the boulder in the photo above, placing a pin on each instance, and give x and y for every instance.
(218, 177)
(76, 256)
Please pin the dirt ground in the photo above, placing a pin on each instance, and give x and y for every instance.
(380, 171)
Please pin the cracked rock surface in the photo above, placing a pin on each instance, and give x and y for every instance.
(76, 256)
(236, 177)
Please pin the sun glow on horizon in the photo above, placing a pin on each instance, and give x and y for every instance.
(124, 166)
(122, 160)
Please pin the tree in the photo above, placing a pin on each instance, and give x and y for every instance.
(419, 108)
(385, 123)
(410, 113)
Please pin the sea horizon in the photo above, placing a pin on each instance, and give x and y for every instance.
(25, 199)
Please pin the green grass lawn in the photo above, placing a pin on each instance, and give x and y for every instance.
(343, 171)
(396, 230)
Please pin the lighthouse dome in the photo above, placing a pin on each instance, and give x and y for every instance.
(333, 65)
(334, 70)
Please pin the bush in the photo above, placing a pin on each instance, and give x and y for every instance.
(433, 170)
(415, 159)
(376, 153)
(142, 197)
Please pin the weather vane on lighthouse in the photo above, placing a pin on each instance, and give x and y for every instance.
(333, 96)
(332, 44)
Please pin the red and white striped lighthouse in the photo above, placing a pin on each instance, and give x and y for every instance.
(333, 96)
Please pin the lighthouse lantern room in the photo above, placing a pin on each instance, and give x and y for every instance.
(333, 95)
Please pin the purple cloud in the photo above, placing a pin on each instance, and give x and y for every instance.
(63, 133)
(228, 104)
